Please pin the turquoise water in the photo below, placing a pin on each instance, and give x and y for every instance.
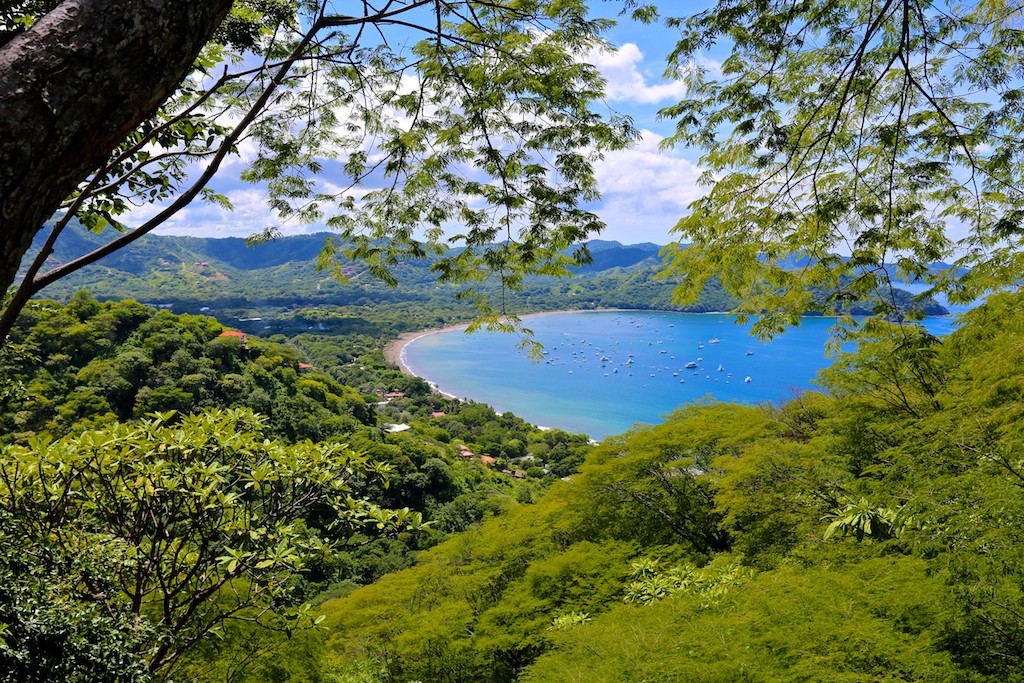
(605, 371)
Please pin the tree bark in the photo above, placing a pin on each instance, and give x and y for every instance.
(72, 87)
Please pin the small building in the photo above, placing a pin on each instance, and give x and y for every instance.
(394, 394)
(392, 429)
(305, 366)
(438, 414)
(235, 333)
(464, 451)
(487, 460)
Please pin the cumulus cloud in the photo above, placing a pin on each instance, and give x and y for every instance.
(627, 82)
(251, 215)
(645, 191)
(631, 81)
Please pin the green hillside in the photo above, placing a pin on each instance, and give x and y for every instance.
(226, 277)
(866, 533)
(871, 534)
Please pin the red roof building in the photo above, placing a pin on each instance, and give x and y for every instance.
(236, 334)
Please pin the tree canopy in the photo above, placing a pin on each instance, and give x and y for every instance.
(173, 525)
(872, 533)
(845, 145)
(851, 135)
(467, 124)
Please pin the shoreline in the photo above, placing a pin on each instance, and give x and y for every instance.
(394, 352)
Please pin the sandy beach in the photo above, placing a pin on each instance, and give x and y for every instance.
(394, 351)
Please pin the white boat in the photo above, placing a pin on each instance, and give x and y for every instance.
(746, 380)
(714, 341)
(720, 368)
(691, 364)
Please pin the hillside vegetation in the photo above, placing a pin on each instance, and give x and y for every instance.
(869, 534)
(145, 449)
(277, 281)
(866, 532)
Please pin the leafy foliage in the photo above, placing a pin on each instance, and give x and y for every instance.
(51, 627)
(651, 583)
(89, 363)
(467, 124)
(880, 131)
(867, 620)
(202, 518)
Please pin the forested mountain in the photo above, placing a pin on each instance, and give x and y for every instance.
(236, 253)
(231, 279)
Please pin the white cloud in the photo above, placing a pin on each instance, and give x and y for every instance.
(626, 81)
(645, 191)
(251, 215)
(631, 80)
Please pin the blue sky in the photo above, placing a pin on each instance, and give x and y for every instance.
(645, 189)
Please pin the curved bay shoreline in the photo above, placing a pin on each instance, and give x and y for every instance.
(394, 352)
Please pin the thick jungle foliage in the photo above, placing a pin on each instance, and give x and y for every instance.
(165, 530)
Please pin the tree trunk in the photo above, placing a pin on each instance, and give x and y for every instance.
(72, 87)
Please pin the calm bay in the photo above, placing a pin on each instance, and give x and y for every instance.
(604, 371)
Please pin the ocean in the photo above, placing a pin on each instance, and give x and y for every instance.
(604, 371)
